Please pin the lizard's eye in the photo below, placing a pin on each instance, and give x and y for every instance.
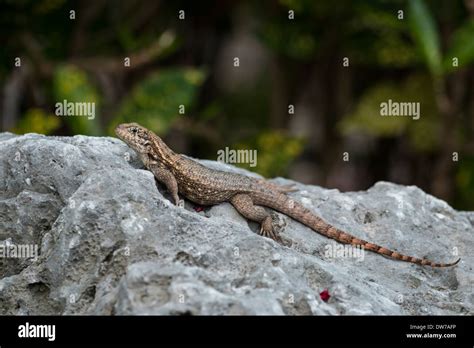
(134, 130)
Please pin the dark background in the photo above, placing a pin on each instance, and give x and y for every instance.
(399, 50)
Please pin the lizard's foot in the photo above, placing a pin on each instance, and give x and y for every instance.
(266, 230)
(176, 198)
(180, 203)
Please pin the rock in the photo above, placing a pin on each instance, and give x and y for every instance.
(110, 242)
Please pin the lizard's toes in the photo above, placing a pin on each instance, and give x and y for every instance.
(176, 199)
(266, 230)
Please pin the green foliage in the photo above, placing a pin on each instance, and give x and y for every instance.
(47, 6)
(210, 111)
(391, 50)
(296, 5)
(366, 118)
(306, 51)
(299, 40)
(465, 182)
(292, 42)
(275, 150)
(424, 32)
(155, 101)
(37, 121)
(375, 36)
(70, 83)
(462, 46)
(376, 19)
(426, 36)
(167, 43)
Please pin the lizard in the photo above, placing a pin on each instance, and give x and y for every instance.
(249, 196)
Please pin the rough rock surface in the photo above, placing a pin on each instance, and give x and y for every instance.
(110, 242)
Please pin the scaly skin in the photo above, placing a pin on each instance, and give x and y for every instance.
(206, 186)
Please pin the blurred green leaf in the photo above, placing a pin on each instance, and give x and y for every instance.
(462, 47)
(425, 34)
(155, 101)
(70, 83)
(37, 121)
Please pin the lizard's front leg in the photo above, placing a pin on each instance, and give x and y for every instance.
(167, 178)
(244, 205)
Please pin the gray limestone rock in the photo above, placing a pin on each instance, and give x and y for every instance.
(109, 241)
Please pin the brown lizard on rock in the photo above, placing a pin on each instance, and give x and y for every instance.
(249, 196)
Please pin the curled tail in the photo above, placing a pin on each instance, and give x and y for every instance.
(298, 212)
(346, 238)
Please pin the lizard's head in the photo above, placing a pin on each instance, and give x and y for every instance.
(136, 136)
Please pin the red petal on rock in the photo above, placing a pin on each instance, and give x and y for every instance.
(324, 295)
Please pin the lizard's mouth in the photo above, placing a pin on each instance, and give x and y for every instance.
(121, 130)
(118, 128)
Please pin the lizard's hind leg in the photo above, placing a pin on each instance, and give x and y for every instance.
(244, 205)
